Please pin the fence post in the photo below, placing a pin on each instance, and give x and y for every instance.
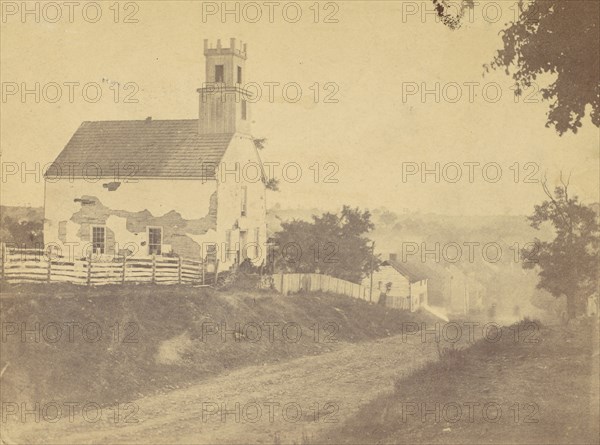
(153, 268)
(89, 270)
(216, 271)
(203, 269)
(49, 269)
(179, 271)
(3, 253)
(124, 265)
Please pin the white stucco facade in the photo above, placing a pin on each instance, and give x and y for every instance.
(228, 211)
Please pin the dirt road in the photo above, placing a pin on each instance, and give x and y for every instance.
(279, 403)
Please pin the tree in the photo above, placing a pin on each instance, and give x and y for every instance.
(332, 244)
(259, 143)
(557, 37)
(567, 264)
(24, 232)
(443, 9)
(270, 183)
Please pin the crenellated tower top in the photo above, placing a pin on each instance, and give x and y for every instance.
(236, 48)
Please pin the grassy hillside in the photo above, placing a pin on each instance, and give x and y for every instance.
(163, 340)
(542, 388)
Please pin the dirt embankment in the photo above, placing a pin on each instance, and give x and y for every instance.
(291, 402)
(116, 344)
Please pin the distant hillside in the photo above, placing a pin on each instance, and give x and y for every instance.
(496, 239)
(393, 229)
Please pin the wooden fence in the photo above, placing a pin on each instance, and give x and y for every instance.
(314, 282)
(33, 266)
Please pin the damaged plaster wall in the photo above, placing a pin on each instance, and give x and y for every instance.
(185, 209)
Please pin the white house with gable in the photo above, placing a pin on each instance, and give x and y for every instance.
(398, 285)
(165, 187)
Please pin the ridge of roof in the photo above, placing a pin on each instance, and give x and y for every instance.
(407, 270)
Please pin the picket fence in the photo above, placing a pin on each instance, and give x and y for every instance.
(33, 266)
(287, 283)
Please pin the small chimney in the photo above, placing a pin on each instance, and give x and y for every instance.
(393, 257)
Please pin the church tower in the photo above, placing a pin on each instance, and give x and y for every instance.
(224, 104)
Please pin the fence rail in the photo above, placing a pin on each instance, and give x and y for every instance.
(18, 266)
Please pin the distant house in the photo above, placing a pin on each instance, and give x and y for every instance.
(184, 188)
(453, 289)
(398, 285)
(439, 287)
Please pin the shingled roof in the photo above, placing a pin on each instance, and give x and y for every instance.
(156, 148)
(413, 272)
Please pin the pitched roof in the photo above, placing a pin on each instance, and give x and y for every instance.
(414, 273)
(155, 148)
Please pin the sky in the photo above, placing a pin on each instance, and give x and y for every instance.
(369, 132)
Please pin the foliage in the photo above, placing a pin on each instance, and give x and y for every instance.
(22, 232)
(567, 264)
(259, 143)
(444, 11)
(450, 357)
(272, 184)
(332, 244)
(561, 38)
(556, 37)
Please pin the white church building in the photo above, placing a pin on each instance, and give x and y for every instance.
(165, 187)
